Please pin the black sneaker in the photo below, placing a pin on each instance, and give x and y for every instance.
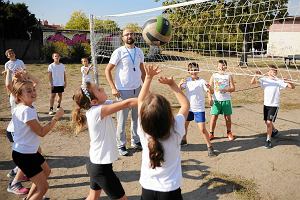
(268, 144)
(274, 132)
(123, 151)
(183, 143)
(137, 146)
(211, 152)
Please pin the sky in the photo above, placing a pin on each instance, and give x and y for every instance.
(59, 11)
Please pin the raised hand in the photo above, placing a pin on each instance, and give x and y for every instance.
(59, 113)
(151, 70)
(165, 80)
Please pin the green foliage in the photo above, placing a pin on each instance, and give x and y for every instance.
(58, 47)
(106, 26)
(78, 21)
(222, 26)
(135, 27)
(78, 51)
(16, 21)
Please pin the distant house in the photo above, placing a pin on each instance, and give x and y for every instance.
(284, 37)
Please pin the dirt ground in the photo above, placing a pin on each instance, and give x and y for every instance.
(242, 170)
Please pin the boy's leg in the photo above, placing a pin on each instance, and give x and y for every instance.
(269, 129)
(59, 99)
(52, 98)
(93, 194)
(202, 128)
(186, 125)
(212, 125)
(189, 118)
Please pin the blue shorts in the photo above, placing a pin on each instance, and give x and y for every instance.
(197, 116)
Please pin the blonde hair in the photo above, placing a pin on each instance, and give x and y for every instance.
(17, 87)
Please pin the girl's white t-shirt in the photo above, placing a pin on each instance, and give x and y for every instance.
(87, 77)
(103, 143)
(272, 89)
(58, 74)
(168, 177)
(195, 91)
(25, 140)
(128, 74)
(221, 81)
(14, 65)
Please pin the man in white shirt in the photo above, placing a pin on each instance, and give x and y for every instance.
(128, 61)
(272, 86)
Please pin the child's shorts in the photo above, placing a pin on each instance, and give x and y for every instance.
(270, 113)
(9, 135)
(103, 177)
(151, 194)
(197, 116)
(30, 164)
(58, 89)
(221, 107)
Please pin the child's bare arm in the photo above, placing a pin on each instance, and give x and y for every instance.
(254, 78)
(115, 107)
(183, 101)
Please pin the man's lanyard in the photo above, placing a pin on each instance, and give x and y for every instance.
(132, 58)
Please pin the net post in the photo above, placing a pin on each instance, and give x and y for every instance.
(93, 48)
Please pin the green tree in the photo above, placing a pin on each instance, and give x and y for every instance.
(135, 27)
(16, 21)
(78, 21)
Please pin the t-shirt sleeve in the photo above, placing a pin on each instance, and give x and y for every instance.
(282, 84)
(23, 65)
(82, 69)
(29, 114)
(261, 82)
(179, 125)
(50, 68)
(204, 83)
(115, 57)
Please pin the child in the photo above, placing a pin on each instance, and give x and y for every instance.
(272, 86)
(160, 133)
(27, 131)
(58, 81)
(221, 104)
(195, 89)
(11, 68)
(85, 70)
(103, 145)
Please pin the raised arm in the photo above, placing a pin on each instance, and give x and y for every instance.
(254, 78)
(183, 101)
(109, 78)
(150, 71)
(143, 71)
(231, 85)
(115, 107)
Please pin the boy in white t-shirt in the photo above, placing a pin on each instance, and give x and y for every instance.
(195, 90)
(58, 81)
(221, 100)
(86, 71)
(272, 86)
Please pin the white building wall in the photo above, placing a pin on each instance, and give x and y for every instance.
(283, 44)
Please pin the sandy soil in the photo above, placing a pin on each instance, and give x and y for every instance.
(242, 170)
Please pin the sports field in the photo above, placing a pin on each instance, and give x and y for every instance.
(244, 169)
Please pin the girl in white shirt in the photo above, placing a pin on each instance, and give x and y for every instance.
(27, 131)
(103, 145)
(160, 133)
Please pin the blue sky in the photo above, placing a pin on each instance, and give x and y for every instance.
(59, 11)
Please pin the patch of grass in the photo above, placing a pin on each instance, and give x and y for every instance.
(289, 106)
(243, 188)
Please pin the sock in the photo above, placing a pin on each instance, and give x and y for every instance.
(51, 108)
(58, 106)
(211, 132)
(268, 138)
(16, 169)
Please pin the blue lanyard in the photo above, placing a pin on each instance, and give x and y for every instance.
(132, 58)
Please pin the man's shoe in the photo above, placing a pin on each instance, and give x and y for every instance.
(268, 144)
(17, 188)
(183, 143)
(123, 151)
(137, 146)
(274, 132)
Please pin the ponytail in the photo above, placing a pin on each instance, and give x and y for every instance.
(78, 118)
(156, 152)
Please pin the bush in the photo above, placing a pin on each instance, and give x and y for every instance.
(78, 51)
(58, 47)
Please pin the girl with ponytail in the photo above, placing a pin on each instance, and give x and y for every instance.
(160, 134)
(102, 131)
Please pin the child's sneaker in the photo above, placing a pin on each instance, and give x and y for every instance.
(123, 151)
(211, 152)
(17, 188)
(137, 146)
(230, 136)
(51, 112)
(183, 143)
(211, 136)
(274, 132)
(268, 144)
(11, 174)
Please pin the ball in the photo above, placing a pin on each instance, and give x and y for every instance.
(157, 31)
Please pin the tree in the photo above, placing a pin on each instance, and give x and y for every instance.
(135, 27)
(16, 21)
(78, 21)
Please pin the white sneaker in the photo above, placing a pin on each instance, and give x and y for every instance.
(51, 112)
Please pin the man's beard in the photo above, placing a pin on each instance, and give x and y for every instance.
(130, 41)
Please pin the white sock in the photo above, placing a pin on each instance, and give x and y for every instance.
(268, 138)
(16, 169)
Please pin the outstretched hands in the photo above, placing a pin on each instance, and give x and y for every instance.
(152, 70)
(167, 80)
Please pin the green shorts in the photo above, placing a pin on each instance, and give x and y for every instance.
(221, 107)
